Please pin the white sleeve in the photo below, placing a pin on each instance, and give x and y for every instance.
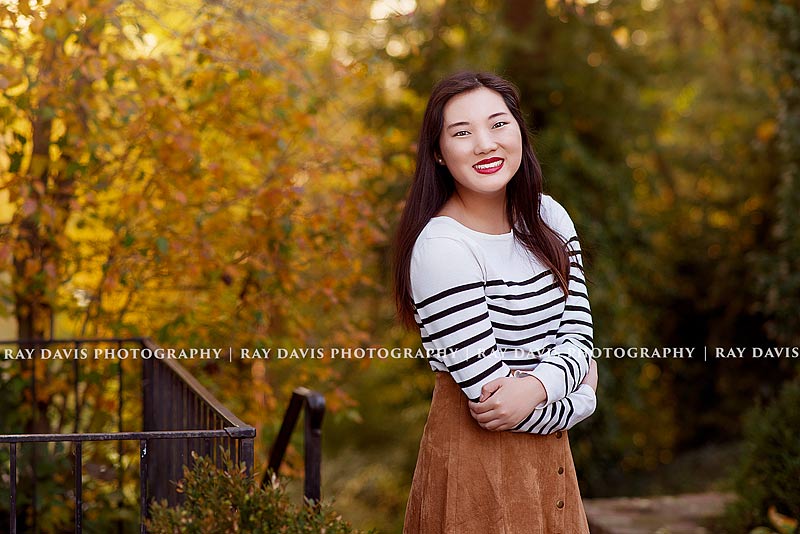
(563, 367)
(448, 288)
(562, 414)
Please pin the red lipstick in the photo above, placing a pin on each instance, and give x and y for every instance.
(489, 165)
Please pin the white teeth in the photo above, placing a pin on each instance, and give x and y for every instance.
(487, 166)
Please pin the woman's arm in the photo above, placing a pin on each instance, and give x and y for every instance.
(565, 413)
(551, 400)
(564, 366)
(447, 285)
(452, 312)
(507, 405)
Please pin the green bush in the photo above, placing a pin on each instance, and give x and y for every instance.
(228, 500)
(769, 472)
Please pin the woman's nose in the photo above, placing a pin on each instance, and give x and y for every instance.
(484, 142)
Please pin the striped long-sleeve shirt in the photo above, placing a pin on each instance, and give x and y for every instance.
(486, 307)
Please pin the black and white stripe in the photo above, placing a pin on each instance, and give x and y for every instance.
(491, 322)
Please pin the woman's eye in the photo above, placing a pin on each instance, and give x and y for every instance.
(499, 124)
(462, 133)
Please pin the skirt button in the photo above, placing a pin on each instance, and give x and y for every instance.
(560, 470)
(560, 504)
(559, 434)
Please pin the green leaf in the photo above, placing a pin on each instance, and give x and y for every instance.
(72, 167)
(16, 162)
(109, 77)
(162, 244)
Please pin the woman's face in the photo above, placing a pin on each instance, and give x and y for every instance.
(480, 143)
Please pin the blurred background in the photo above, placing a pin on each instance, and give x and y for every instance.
(230, 173)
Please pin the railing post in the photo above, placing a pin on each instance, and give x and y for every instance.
(147, 395)
(12, 472)
(34, 447)
(76, 372)
(120, 450)
(285, 433)
(247, 454)
(78, 486)
(243, 438)
(315, 410)
(143, 486)
(314, 404)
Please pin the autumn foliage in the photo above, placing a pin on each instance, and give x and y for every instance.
(185, 170)
(220, 174)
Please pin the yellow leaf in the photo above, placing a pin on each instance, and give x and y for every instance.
(766, 130)
(780, 521)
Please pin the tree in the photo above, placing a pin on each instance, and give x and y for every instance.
(190, 171)
(780, 276)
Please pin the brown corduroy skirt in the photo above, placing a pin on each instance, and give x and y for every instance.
(470, 480)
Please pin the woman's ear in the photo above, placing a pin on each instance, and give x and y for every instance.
(438, 157)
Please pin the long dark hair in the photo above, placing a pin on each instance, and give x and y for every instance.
(433, 184)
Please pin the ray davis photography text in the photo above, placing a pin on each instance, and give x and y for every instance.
(133, 353)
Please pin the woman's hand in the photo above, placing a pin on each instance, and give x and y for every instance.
(591, 377)
(505, 402)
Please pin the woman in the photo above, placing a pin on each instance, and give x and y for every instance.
(490, 270)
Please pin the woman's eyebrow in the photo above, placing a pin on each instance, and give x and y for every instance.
(466, 123)
(460, 123)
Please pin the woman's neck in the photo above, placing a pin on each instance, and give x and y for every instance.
(482, 213)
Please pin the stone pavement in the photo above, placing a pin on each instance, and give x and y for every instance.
(678, 514)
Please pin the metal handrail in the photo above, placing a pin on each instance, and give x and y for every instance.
(314, 404)
(171, 396)
(124, 436)
(198, 388)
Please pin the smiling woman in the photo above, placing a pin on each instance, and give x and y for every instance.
(481, 146)
(490, 271)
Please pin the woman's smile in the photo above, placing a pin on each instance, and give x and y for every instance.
(489, 166)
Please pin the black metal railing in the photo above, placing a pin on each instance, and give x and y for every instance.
(314, 405)
(178, 416)
(174, 400)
